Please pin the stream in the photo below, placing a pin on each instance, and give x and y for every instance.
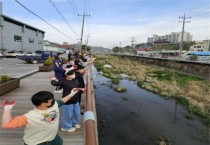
(140, 117)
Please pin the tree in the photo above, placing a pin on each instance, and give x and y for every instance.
(88, 48)
(127, 48)
(115, 49)
(133, 51)
(83, 47)
(186, 45)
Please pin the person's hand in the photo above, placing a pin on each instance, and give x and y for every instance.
(93, 59)
(8, 104)
(53, 78)
(74, 91)
(84, 90)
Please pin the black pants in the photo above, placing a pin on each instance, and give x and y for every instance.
(58, 87)
(56, 141)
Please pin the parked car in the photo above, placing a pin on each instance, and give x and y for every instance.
(40, 56)
(11, 54)
(30, 53)
(15, 54)
(1, 56)
(20, 54)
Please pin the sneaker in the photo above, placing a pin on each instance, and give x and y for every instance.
(77, 126)
(58, 91)
(69, 130)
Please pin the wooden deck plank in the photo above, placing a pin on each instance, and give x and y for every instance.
(28, 86)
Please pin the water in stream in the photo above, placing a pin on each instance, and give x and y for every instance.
(139, 117)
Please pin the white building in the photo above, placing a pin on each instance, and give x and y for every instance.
(18, 36)
(174, 37)
(201, 46)
(48, 46)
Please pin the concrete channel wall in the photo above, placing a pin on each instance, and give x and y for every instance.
(190, 67)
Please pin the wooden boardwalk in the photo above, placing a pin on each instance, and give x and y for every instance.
(28, 86)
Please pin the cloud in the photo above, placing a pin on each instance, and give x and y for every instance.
(109, 35)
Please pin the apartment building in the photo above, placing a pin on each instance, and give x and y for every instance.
(174, 37)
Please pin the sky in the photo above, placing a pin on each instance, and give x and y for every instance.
(110, 23)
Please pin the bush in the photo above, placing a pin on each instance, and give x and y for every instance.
(49, 61)
(4, 78)
(115, 81)
(193, 57)
(183, 100)
(64, 60)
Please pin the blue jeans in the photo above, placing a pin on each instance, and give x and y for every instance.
(70, 115)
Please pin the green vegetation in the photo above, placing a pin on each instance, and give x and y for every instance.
(49, 61)
(115, 81)
(121, 89)
(207, 121)
(183, 100)
(162, 75)
(190, 91)
(99, 65)
(197, 111)
(140, 83)
(189, 116)
(163, 141)
(193, 57)
(4, 78)
(183, 79)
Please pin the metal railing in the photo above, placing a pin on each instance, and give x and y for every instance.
(90, 119)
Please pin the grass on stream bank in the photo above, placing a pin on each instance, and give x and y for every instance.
(190, 91)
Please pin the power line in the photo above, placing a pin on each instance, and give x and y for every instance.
(88, 19)
(171, 24)
(71, 4)
(75, 7)
(63, 17)
(44, 20)
(83, 21)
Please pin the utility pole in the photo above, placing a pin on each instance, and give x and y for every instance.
(132, 41)
(86, 43)
(83, 21)
(181, 43)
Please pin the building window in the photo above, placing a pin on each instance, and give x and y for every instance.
(199, 46)
(31, 40)
(194, 46)
(17, 38)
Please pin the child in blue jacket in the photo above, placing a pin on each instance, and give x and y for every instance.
(58, 69)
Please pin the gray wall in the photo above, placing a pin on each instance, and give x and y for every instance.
(10, 29)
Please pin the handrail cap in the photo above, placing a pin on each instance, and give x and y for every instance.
(89, 115)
